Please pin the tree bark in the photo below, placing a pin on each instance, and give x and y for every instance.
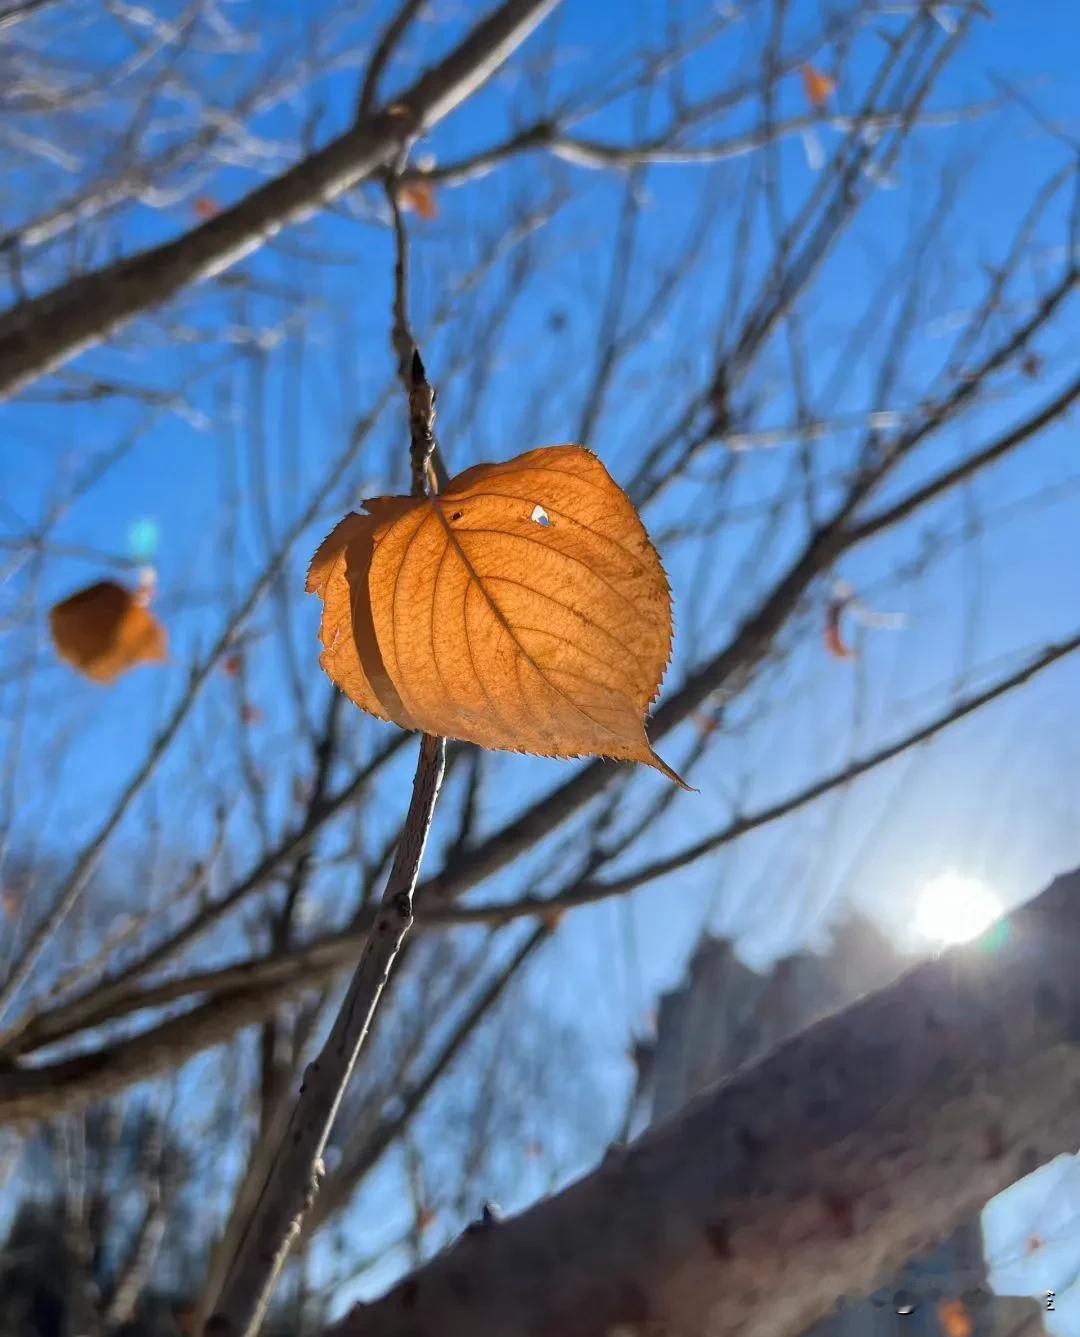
(803, 1180)
(42, 333)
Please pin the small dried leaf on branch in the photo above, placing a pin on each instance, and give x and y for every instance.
(551, 919)
(954, 1318)
(106, 629)
(843, 603)
(523, 609)
(419, 197)
(834, 635)
(817, 86)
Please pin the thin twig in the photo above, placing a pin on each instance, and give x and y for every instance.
(383, 53)
(419, 395)
(293, 1178)
(359, 1163)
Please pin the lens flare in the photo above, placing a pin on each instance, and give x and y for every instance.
(953, 908)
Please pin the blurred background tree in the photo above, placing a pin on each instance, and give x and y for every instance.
(803, 274)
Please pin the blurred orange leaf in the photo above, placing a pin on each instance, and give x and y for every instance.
(105, 630)
(205, 207)
(232, 664)
(551, 919)
(419, 198)
(954, 1318)
(817, 86)
(523, 609)
(834, 638)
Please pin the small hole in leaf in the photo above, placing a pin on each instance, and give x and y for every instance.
(457, 515)
(540, 516)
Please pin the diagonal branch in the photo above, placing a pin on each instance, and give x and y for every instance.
(361, 1161)
(812, 1175)
(972, 464)
(40, 334)
(294, 1177)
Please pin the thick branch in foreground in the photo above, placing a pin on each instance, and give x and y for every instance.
(802, 1180)
(42, 333)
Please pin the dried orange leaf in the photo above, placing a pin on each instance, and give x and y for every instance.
(105, 630)
(834, 636)
(551, 919)
(419, 197)
(954, 1318)
(523, 609)
(817, 86)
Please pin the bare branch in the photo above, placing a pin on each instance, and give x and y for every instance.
(294, 1177)
(40, 334)
(968, 467)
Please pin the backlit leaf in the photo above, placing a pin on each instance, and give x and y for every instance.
(105, 630)
(522, 609)
(419, 197)
(817, 86)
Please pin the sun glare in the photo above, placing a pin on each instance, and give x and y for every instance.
(953, 908)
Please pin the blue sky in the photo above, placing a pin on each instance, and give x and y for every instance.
(995, 798)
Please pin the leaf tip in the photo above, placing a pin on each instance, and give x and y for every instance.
(658, 763)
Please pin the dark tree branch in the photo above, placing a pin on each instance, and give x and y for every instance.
(40, 334)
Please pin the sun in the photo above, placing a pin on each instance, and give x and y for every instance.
(954, 908)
